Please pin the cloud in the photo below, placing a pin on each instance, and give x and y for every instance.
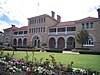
(20, 10)
(3, 25)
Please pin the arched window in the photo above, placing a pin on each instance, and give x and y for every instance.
(15, 42)
(52, 42)
(90, 41)
(70, 43)
(25, 42)
(19, 42)
(61, 43)
(36, 42)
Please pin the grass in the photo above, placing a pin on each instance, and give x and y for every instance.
(80, 61)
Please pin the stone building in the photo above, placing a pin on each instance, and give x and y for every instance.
(45, 29)
(1, 37)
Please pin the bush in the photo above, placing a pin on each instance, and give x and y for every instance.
(48, 67)
(82, 48)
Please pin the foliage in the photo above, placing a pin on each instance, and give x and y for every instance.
(47, 67)
(80, 60)
(82, 48)
(82, 37)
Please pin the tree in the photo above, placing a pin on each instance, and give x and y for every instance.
(82, 37)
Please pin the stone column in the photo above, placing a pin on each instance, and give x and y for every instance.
(66, 31)
(65, 44)
(56, 44)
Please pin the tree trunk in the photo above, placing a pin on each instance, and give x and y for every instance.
(82, 45)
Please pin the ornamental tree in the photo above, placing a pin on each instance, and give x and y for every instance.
(82, 37)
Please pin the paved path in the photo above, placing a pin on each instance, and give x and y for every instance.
(70, 52)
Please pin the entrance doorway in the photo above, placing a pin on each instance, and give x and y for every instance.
(36, 42)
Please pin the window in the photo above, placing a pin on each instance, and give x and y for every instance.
(61, 29)
(39, 30)
(71, 28)
(90, 41)
(52, 30)
(25, 32)
(35, 21)
(91, 25)
(41, 20)
(15, 33)
(34, 30)
(30, 21)
(20, 32)
(87, 25)
(30, 30)
(44, 19)
(43, 29)
(83, 26)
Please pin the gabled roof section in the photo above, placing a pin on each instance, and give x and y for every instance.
(44, 15)
(88, 19)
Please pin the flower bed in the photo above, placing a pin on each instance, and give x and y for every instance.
(11, 66)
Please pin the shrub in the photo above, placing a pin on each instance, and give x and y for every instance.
(82, 48)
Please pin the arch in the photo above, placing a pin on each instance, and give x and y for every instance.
(73, 36)
(36, 42)
(25, 42)
(61, 43)
(19, 42)
(52, 42)
(35, 36)
(70, 43)
(91, 40)
(15, 42)
(7, 40)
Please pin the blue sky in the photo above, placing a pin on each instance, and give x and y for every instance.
(17, 11)
(6, 19)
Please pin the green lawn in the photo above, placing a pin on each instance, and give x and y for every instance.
(81, 60)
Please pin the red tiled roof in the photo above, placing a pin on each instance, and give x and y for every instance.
(16, 28)
(89, 19)
(23, 28)
(68, 23)
(11, 28)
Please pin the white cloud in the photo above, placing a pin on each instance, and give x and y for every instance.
(20, 10)
(3, 25)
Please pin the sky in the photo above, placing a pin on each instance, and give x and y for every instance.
(17, 11)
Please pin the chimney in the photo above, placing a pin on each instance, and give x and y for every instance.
(53, 14)
(98, 12)
(13, 25)
(58, 18)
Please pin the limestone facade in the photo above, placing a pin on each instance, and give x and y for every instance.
(45, 29)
